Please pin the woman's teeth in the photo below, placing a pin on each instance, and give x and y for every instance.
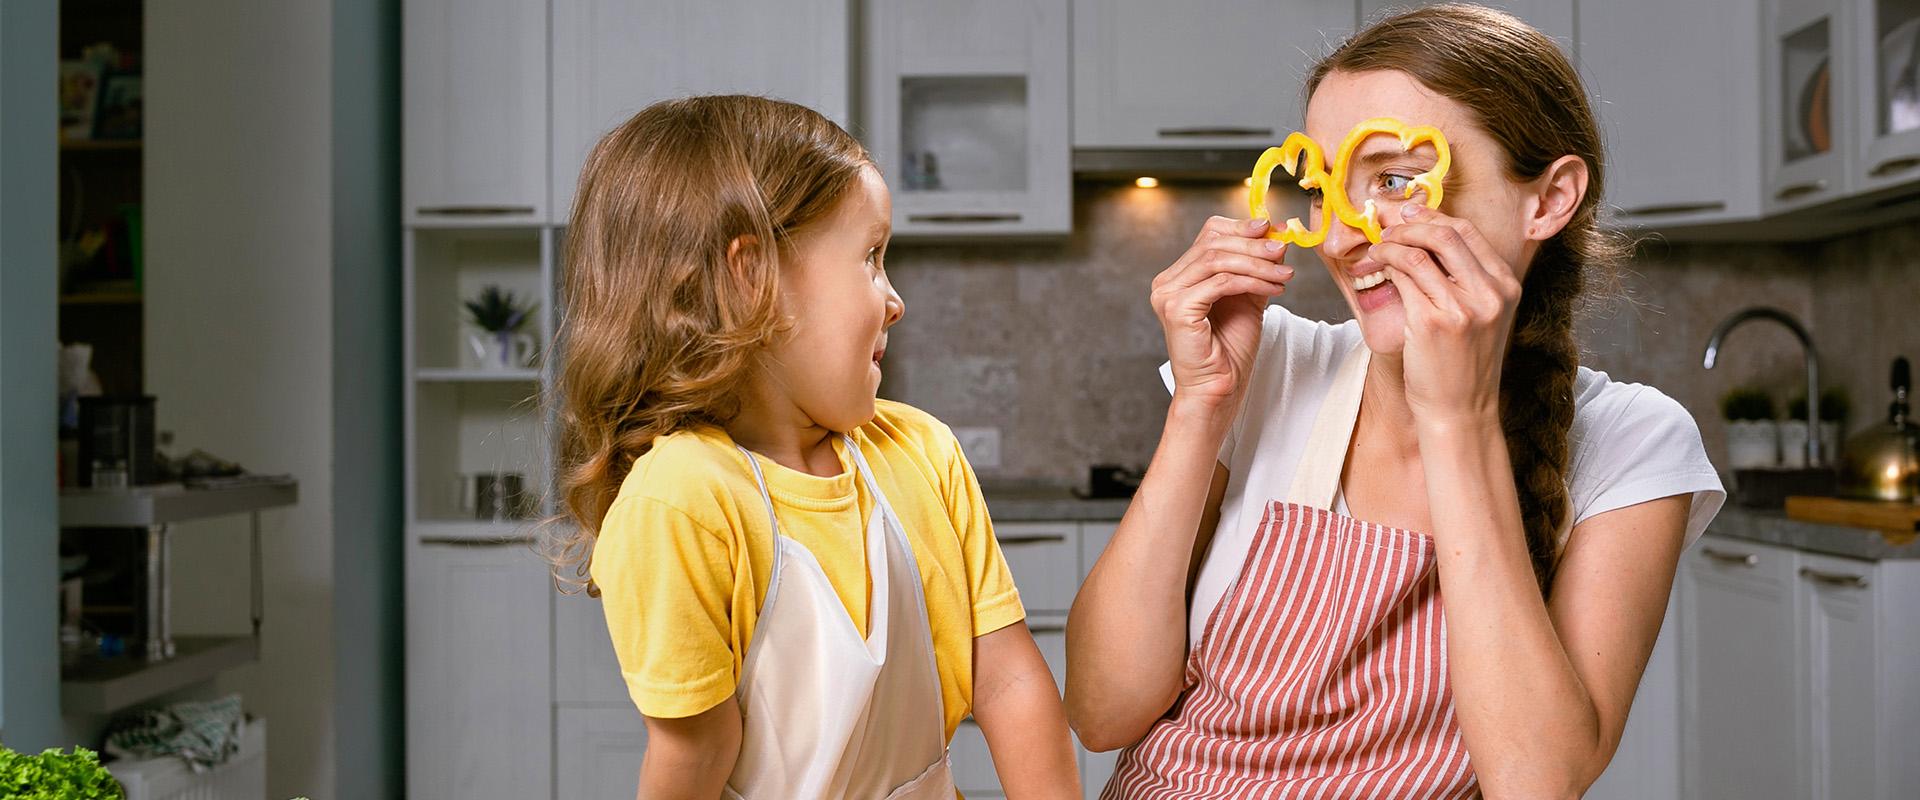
(1369, 280)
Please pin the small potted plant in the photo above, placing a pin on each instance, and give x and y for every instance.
(1753, 437)
(1793, 433)
(54, 775)
(499, 342)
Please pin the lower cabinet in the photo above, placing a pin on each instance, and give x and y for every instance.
(1647, 764)
(598, 751)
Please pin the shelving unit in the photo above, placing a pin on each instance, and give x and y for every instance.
(99, 685)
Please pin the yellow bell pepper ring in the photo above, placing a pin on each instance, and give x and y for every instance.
(1288, 155)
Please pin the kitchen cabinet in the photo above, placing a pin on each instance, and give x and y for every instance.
(1217, 73)
(612, 58)
(585, 670)
(1679, 107)
(1886, 68)
(1787, 690)
(1553, 17)
(1808, 118)
(479, 721)
(967, 116)
(1646, 766)
(599, 751)
(474, 120)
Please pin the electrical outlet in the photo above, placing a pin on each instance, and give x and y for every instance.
(982, 446)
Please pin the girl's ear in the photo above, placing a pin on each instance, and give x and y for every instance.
(743, 255)
(1559, 191)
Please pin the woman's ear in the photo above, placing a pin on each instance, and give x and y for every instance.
(1559, 191)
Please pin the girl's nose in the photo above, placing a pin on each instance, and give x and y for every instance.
(896, 307)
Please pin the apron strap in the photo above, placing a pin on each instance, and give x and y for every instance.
(1317, 478)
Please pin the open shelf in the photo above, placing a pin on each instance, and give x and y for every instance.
(454, 265)
(464, 428)
(441, 375)
(99, 145)
(103, 685)
(142, 506)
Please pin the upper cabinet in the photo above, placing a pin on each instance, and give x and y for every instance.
(1887, 68)
(1553, 17)
(1808, 119)
(475, 112)
(612, 58)
(1218, 73)
(1679, 107)
(966, 113)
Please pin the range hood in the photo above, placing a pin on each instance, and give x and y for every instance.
(1222, 163)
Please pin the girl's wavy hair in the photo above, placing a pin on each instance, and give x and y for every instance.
(1526, 95)
(660, 326)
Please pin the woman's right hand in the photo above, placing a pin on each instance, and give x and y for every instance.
(1210, 303)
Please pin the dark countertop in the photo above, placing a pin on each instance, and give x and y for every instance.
(1773, 527)
(1030, 502)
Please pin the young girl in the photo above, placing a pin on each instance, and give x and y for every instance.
(1422, 553)
(800, 580)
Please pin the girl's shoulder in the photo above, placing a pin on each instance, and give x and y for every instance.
(900, 429)
(679, 471)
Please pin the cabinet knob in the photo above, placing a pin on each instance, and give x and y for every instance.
(1799, 190)
(1841, 579)
(1728, 557)
(1037, 538)
(474, 211)
(1214, 132)
(961, 219)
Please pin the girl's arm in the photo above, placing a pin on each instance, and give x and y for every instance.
(1018, 708)
(691, 757)
(1127, 633)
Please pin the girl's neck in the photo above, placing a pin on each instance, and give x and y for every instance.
(771, 425)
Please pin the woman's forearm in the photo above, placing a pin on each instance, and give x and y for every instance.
(1529, 724)
(1126, 636)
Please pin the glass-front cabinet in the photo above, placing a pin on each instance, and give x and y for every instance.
(1887, 61)
(1808, 118)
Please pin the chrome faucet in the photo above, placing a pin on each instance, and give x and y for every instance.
(1813, 365)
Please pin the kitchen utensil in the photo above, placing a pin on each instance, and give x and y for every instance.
(494, 496)
(1883, 461)
(1896, 519)
(116, 441)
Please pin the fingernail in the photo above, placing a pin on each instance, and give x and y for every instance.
(1273, 248)
(1256, 224)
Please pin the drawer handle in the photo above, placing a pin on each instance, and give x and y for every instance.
(456, 541)
(1725, 557)
(1036, 538)
(1052, 627)
(1893, 165)
(1218, 131)
(1674, 208)
(1799, 190)
(1834, 578)
(475, 211)
(962, 219)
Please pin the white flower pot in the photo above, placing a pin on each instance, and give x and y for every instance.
(1753, 444)
(1793, 444)
(502, 350)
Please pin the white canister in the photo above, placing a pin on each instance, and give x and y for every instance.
(1753, 444)
(1793, 443)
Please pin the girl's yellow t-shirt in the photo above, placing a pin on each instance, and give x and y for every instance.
(685, 551)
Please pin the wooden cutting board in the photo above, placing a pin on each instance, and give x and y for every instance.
(1891, 517)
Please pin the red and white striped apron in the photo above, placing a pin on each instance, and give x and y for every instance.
(1322, 673)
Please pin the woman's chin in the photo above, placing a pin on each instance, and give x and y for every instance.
(1384, 330)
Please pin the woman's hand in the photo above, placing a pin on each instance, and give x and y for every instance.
(1459, 298)
(1210, 303)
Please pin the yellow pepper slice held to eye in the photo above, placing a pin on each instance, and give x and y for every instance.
(1332, 184)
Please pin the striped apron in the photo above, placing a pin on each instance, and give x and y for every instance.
(1322, 673)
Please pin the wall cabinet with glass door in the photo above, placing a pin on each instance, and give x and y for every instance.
(1809, 118)
(1886, 66)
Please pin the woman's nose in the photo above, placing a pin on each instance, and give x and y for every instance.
(1343, 241)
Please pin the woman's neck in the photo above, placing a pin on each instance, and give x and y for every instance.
(1384, 412)
(770, 424)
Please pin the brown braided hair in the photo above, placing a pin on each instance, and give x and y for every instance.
(1528, 98)
(661, 328)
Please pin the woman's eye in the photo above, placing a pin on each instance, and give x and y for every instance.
(1395, 184)
(1313, 197)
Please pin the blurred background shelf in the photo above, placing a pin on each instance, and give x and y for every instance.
(104, 685)
(167, 503)
(443, 375)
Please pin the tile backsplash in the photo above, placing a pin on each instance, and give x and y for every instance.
(1054, 344)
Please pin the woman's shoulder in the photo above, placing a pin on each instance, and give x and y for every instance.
(1300, 355)
(1631, 443)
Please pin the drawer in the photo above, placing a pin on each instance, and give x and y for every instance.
(973, 771)
(1045, 560)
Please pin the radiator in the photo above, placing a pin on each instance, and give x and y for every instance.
(243, 777)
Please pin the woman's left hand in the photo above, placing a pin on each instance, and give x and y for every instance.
(1458, 296)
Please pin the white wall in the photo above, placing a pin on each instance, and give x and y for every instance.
(239, 337)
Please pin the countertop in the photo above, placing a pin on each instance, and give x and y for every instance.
(1030, 502)
(1773, 527)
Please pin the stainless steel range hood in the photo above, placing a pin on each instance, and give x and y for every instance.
(1181, 164)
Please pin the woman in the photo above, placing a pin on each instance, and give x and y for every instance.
(1422, 553)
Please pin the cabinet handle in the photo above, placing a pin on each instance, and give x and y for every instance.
(474, 211)
(961, 219)
(1725, 557)
(1674, 208)
(1214, 132)
(1799, 190)
(1036, 538)
(455, 541)
(1834, 578)
(1052, 627)
(1893, 165)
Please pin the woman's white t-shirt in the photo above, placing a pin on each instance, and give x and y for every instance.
(1630, 444)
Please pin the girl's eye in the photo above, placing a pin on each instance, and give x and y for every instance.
(873, 259)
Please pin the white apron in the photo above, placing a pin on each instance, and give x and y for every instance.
(827, 713)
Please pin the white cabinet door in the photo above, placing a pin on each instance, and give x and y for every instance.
(1553, 17)
(1044, 558)
(1679, 105)
(479, 678)
(1808, 118)
(1647, 764)
(1886, 115)
(612, 58)
(600, 751)
(1218, 73)
(1839, 609)
(474, 111)
(968, 116)
(1741, 684)
(584, 667)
